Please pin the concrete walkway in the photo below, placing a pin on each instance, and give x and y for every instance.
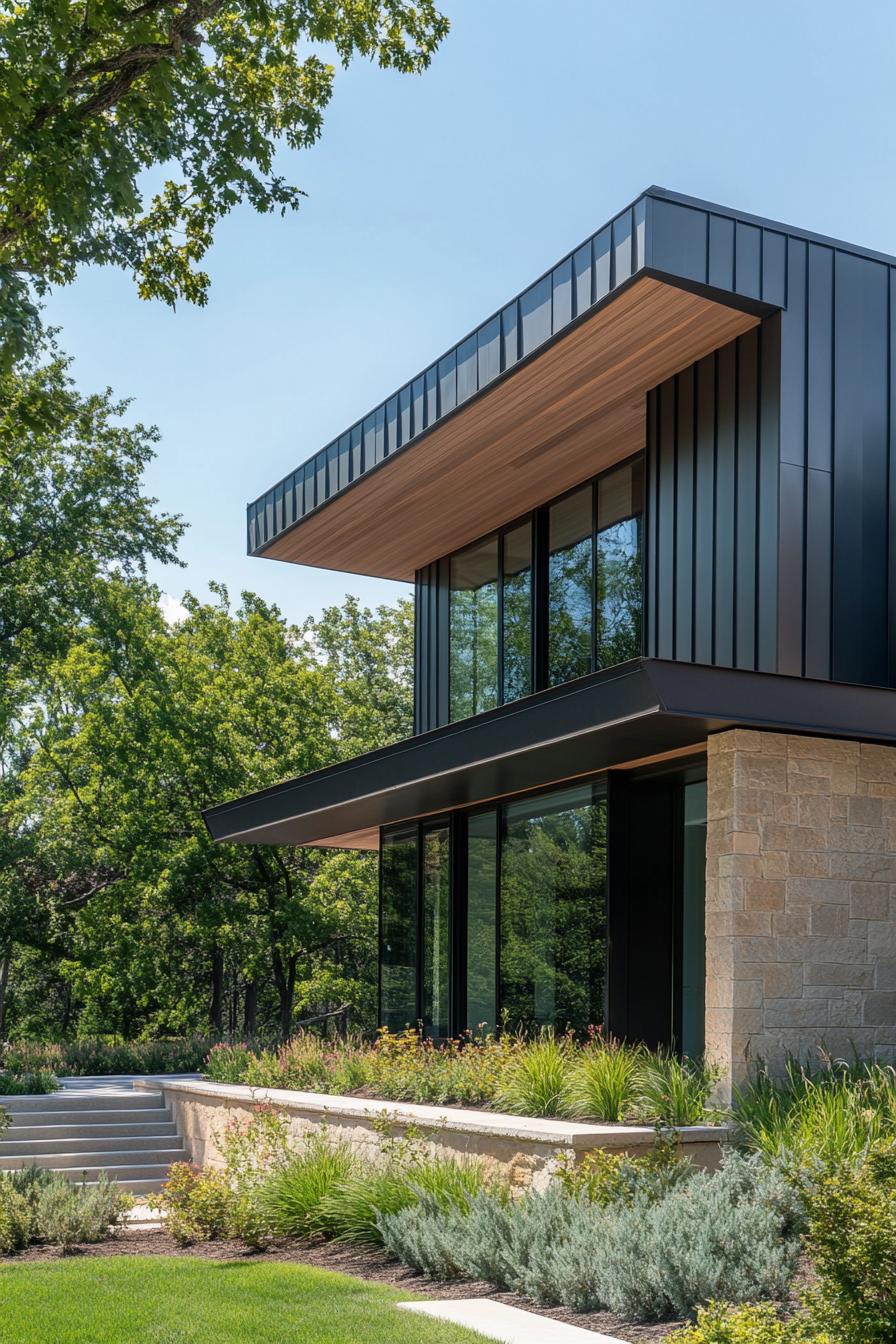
(509, 1325)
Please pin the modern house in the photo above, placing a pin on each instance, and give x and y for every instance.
(649, 509)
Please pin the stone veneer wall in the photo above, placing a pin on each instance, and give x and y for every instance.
(800, 898)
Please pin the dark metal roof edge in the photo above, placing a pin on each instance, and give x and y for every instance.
(554, 694)
(775, 225)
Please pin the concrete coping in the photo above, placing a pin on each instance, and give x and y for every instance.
(563, 1133)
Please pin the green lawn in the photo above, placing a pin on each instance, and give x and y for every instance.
(167, 1300)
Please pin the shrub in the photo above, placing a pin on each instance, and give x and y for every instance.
(294, 1191)
(197, 1204)
(852, 1243)
(32, 1083)
(536, 1079)
(830, 1113)
(354, 1208)
(761, 1324)
(605, 1177)
(4, 1122)
(729, 1234)
(603, 1084)
(107, 1055)
(41, 1205)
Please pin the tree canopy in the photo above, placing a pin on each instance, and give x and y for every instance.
(97, 92)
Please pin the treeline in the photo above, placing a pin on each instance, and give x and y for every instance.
(117, 911)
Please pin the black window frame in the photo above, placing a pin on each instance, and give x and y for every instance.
(538, 520)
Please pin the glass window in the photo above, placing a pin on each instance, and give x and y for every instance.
(517, 612)
(482, 921)
(473, 634)
(434, 1008)
(398, 930)
(570, 595)
(619, 565)
(693, 936)
(553, 910)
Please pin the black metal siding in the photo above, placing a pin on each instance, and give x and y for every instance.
(712, 508)
(430, 651)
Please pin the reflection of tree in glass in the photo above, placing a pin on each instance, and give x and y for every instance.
(434, 1009)
(482, 876)
(517, 635)
(398, 948)
(569, 614)
(473, 650)
(553, 912)
(619, 601)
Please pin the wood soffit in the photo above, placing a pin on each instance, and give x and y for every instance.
(556, 420)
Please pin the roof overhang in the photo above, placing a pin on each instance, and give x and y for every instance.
(553, 420)
(637, 711)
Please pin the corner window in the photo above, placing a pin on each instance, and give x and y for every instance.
(568, 576)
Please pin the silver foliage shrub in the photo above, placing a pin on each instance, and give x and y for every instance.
(730, 1235)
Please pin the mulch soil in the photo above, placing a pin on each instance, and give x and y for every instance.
(363, 1264)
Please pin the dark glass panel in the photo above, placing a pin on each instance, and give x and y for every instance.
(345, 450)
(308, 486)
(553, 910)
(510, 332)
(473, 634)
(602, 264)
(398, 930)
(570, 597)
(357, 452)
(332, 469)
(535, 312)
(419, 405)
(517, 612)
(467, 374)
(320, 462)
(379, 433)
(447, 383)
(431, 409)
(619, 583)
(482, 921)
(404, 414)
(693, 936)
(640, 233)
(562, 286)
(489, 343)
(583, 267)
(435, 942)
(391, 439)
(368, 430)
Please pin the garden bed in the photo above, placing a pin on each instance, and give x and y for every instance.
(526, 1150)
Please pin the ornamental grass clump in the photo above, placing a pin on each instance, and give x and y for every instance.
(673, 1091)
(536, 1079)
(603, 1082)
(292, 1195)
(830, 1113)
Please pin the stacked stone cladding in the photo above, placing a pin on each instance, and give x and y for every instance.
(800, 898)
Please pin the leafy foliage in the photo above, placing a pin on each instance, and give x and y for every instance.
(604, 1177)
(37, 1205)
(760, 1324)
(202, 89)
(94, 1055)
(28, 1084)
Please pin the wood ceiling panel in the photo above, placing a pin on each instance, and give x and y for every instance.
(569, 412)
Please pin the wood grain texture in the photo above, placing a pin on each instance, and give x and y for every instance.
(570, 412)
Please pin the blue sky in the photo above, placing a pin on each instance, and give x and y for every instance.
(431, 200)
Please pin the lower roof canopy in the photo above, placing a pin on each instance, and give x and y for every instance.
(638, 710)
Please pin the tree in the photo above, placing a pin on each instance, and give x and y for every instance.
(142, 726)
(95, 92)
(72, 512)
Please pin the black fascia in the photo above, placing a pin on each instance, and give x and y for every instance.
(641, 708)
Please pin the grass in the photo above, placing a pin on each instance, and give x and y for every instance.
(166, 1300)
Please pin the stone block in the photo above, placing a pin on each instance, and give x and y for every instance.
(844, 778)
(877, 867)
(817, 891)
(822, 749)
(796, 1013)
(816, 951)
(885, 974)
(808, 863)
(880, 1009)
(782, 980)
(775, 835)
(763, 894)
(881, 938)
(829, 919)
(869, 900)
(793, 923)
(850, 976)
(865, 812)
(753, 922)
(858, 839)
(814, 810)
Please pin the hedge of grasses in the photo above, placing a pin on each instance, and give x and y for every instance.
(549, 1075)
(107, 1054)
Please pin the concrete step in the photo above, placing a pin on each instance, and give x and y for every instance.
(120, 1173)
(48, 1119)
(92, 1101)
(14, 1146)
(22, 1133)
(94, 1161)
(137, 1188)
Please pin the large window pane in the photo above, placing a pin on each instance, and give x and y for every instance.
(619, 585)
(482, 922)
(398, 930)
(473, 635)
(517, 612)
(553, 910)
(434, 1009)
(570, 594)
